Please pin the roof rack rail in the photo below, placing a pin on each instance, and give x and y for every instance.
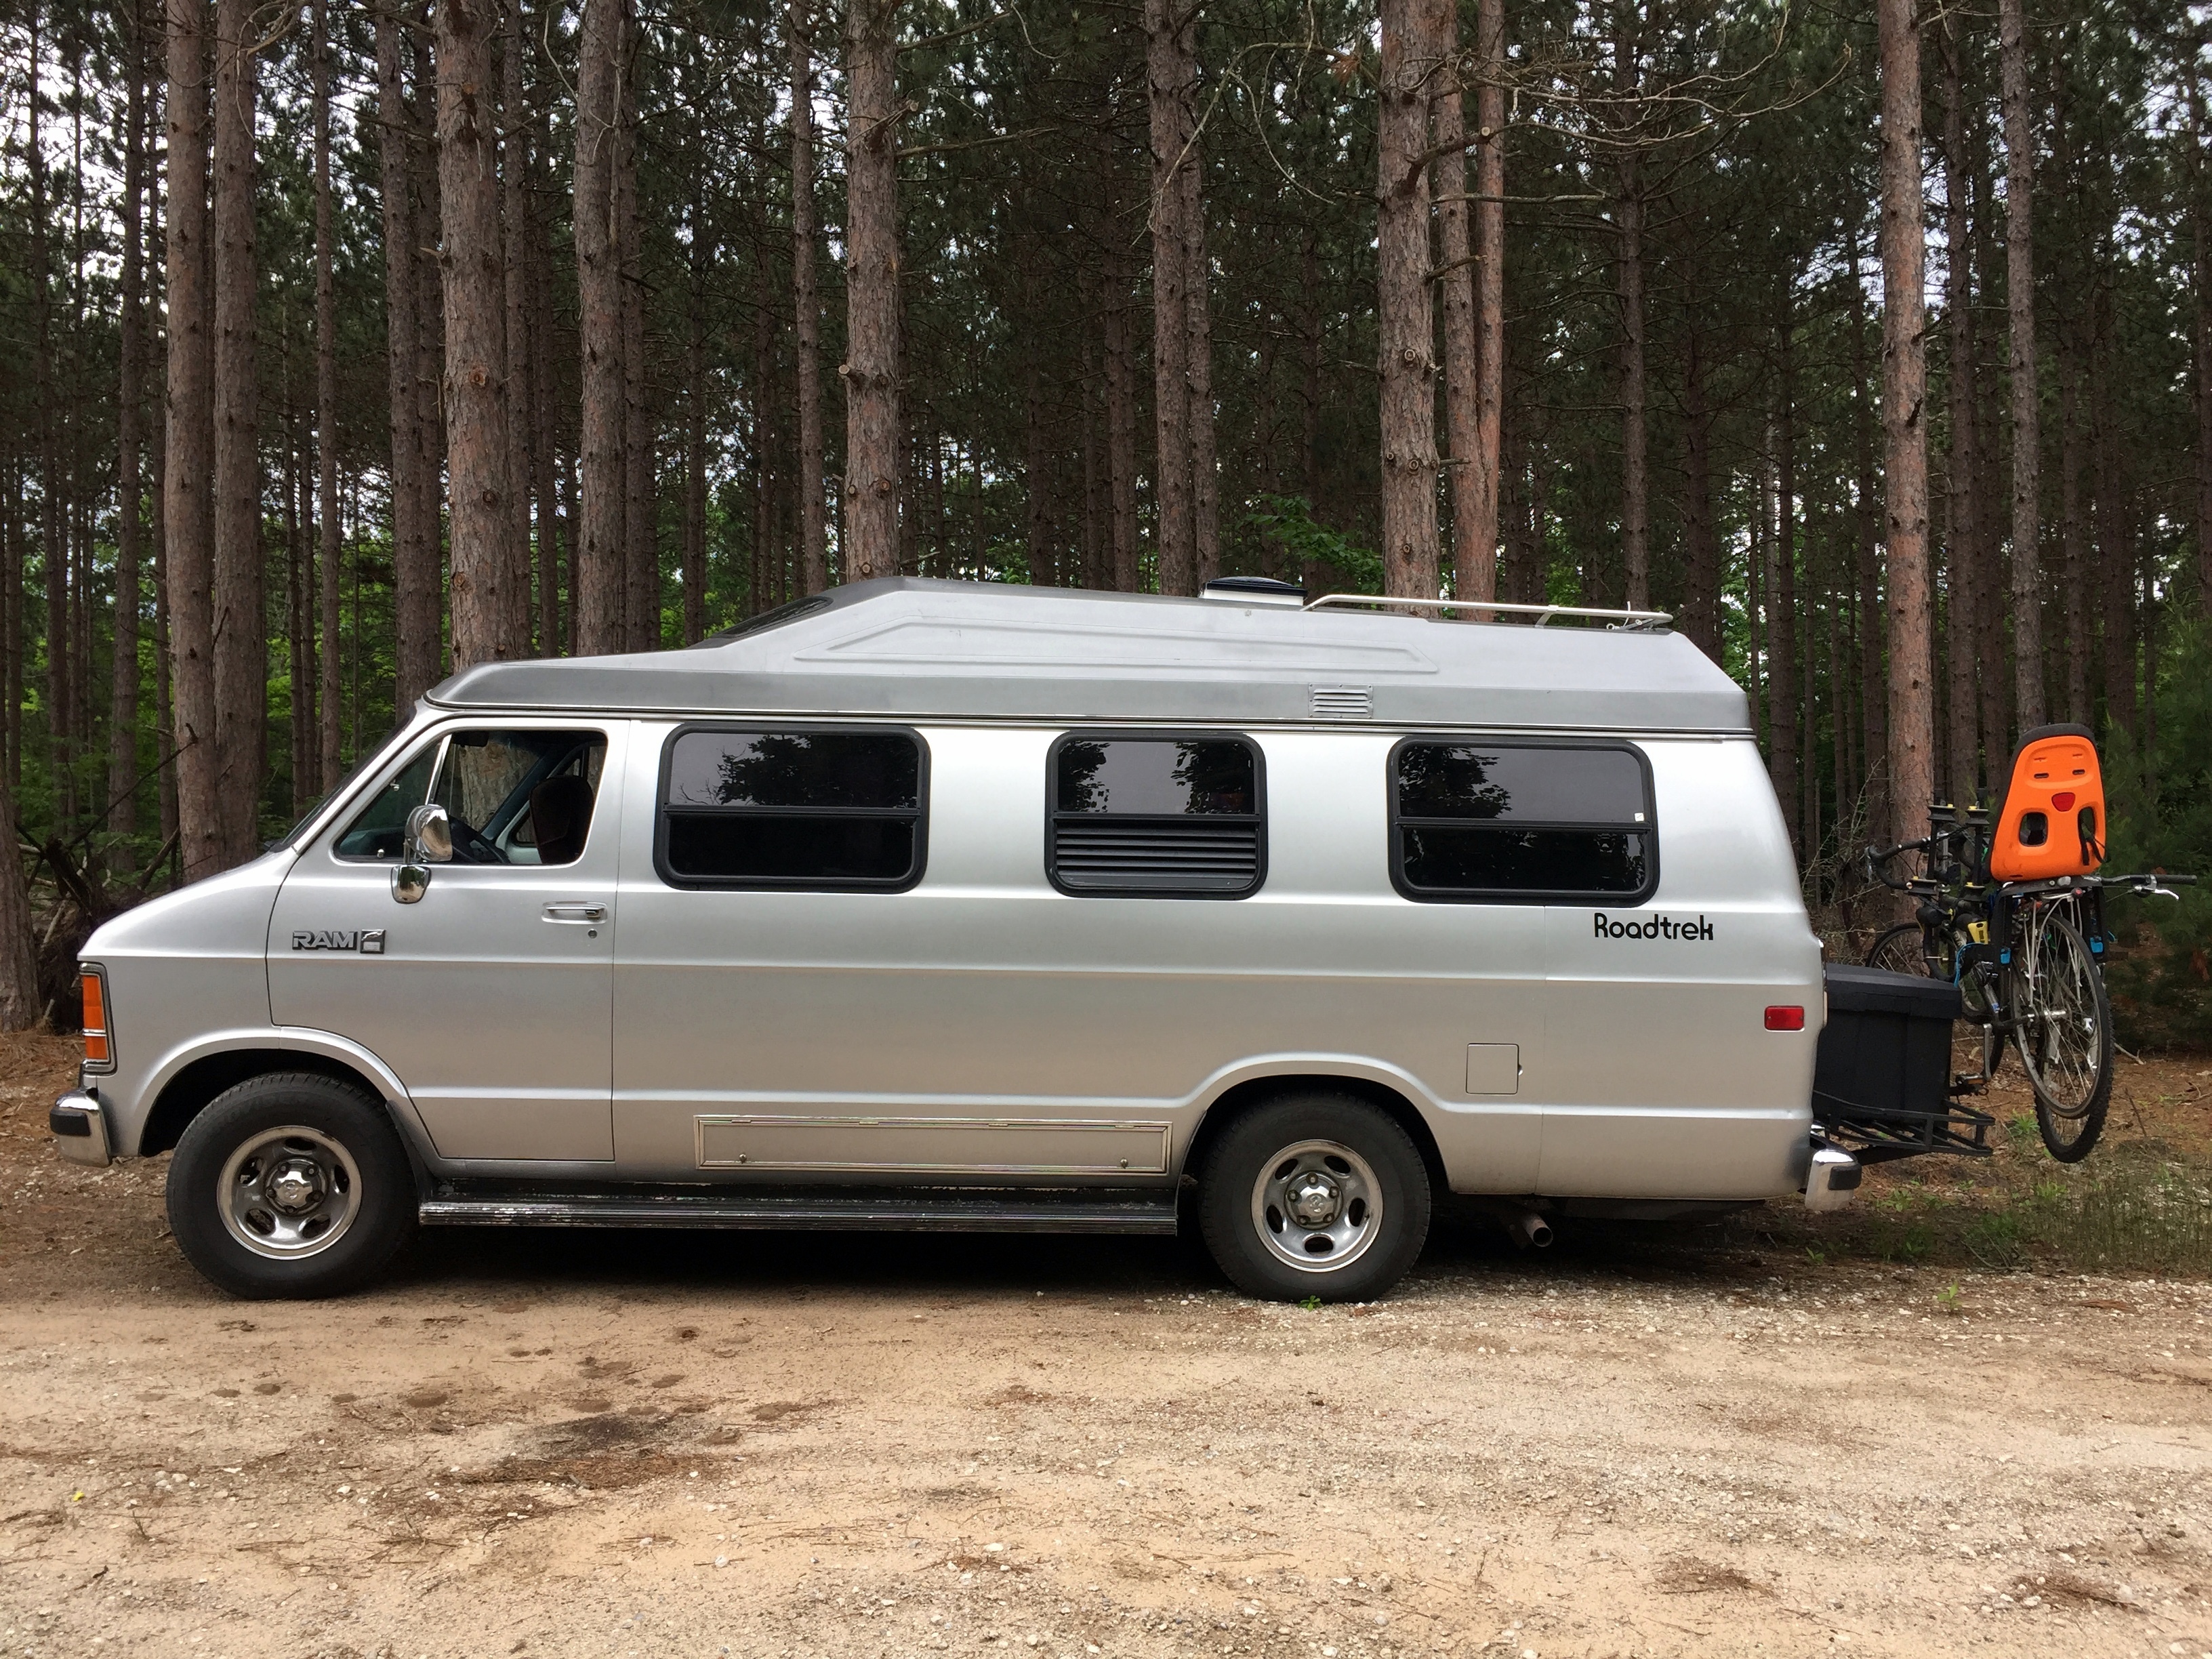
(1635, 620)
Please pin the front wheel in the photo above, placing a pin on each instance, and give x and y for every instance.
(2063, 1033)
(1315, 1195)
(291, 1185)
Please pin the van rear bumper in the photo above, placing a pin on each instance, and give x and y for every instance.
(79, 1126)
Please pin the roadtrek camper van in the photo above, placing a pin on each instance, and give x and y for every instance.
(922, 904)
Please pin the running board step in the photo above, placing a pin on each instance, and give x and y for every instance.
(936, 1212)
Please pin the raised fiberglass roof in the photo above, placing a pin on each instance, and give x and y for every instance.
(929, 650)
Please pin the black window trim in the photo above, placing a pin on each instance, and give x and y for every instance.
(1155, 734)
(1395, 852)
(919, 813)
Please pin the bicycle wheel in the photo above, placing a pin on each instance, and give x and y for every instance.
(2063, 1033)
(1900, 951)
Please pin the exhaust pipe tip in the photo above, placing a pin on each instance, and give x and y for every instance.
(1530, 1229)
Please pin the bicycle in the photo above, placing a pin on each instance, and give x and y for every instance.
(2028, 959)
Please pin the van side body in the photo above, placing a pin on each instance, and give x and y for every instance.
(982, 1026)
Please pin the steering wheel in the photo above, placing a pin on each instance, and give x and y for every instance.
(472, 843)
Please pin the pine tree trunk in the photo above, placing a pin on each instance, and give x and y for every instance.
(2201, 253)
(522, 394)
(241, 665)
(299, 611)
(1962, 608)
(694, 410)
(813, 528)
(2116, 576)
(1790, 716)
(2027, 391)
(1479, 580)
(189, 448)
(328, 759)
(554, 525)
(157, 491)
(1167, 66)
(130, 445)
(871, 497)
(1911, 731)
(1701, 598)
(429, 596)
(414, 533)
(1121, 427)
(601, 585)
(1474, 577)
(1405, 322)
(2074, 532)
(53, 533)
(1635, 441)
(1198, 353)
(641, 520)
(479, 466)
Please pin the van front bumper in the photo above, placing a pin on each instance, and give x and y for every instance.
(79, 1129)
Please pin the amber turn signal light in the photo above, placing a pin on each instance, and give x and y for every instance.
(95, 990)
(1789, 1018)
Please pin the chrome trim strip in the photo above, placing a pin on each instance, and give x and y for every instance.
(1156, 1162)
(947, 1213)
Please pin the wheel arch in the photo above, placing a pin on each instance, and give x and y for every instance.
(1233, 1102)
(193, 1084)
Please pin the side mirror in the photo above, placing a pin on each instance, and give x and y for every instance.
(429, 836)
(429, 840)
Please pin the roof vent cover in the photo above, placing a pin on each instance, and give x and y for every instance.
(1343, 702)
(1255, 589)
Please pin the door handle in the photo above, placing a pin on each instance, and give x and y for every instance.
(575, 913)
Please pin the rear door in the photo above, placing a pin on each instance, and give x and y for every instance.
(491, 997)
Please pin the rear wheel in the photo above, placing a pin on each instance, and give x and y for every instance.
(2065, 1034)
(1315, 1195)
(291, 1185)
(1900, 951)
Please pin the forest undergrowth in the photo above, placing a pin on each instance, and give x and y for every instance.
(2141, 1203)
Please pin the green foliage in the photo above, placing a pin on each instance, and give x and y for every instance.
(1287, 523)
(2161, 796)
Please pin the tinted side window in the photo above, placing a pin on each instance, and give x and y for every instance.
(1166, 817)
(813, 809)
(1521, 821)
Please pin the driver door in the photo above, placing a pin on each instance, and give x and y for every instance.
(491, 997)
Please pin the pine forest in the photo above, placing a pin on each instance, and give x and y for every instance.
(349, 345)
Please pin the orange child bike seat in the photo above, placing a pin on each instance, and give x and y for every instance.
(2051, 820)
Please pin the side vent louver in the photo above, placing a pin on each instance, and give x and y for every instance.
(1343, 702)
(1194, 857)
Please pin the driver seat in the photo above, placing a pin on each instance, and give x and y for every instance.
(561, 816)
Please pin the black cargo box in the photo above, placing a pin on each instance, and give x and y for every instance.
(1883, 1075)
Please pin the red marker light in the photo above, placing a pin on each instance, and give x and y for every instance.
(2063, 800)
(1788, 1018)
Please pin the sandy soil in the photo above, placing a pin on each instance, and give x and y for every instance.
(1642, 1442)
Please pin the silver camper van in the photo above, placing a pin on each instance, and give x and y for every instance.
(922, 904)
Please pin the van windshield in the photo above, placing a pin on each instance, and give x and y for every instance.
(366, 761)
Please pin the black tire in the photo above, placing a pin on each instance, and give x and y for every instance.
(1900, 951)
(1349, 1155)
(2065, 1043)
(328, 1204)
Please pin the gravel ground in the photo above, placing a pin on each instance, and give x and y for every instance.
(1644, 1441)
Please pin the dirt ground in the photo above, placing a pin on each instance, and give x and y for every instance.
(1644, 1441)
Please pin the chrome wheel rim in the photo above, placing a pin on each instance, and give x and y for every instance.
(1317, 1205)
(289, 1193)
